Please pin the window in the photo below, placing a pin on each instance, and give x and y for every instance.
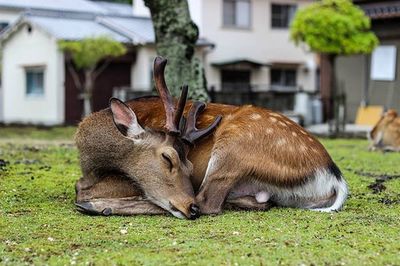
(235, 80)
(34, 81)
(3, 25)
(283, 78)
(282, 15)
(236, 13)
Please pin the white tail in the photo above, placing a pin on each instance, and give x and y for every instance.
(341, 192)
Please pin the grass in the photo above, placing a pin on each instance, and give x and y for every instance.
(39, 225)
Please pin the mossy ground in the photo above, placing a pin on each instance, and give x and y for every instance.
(39, 224)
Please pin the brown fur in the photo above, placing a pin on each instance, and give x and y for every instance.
(282, 145)
(386, 133)
(254, 142)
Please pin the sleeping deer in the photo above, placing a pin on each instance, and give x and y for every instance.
(152, 159)
(386, 133)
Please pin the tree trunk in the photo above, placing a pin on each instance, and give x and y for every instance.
(176, 36)
(88, 93)
(328, 85)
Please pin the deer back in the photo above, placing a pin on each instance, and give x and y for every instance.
(262, 143)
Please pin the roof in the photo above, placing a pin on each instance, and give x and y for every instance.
(74, 29)
(59, 5)
(115, 8)
(78, 19)
(381, 9)
(76, 26)
(241, 61)
(138, 29)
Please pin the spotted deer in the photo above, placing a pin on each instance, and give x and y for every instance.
(386, 133)
(254, 158)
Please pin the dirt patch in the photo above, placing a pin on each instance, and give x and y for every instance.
(384, 177)
(388, 201)
(3, 164)
(379, 185)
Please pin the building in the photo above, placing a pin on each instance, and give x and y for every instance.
(374, 79)
(244, 45)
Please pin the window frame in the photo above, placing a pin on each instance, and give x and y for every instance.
(283, 78)
(35, 69)
(4, 25)
(235, 24)
(289, 18)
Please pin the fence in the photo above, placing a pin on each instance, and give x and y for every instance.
(275, 99)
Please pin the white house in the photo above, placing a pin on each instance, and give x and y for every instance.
(250, 48)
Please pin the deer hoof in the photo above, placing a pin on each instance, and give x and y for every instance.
(107, 212)
(86, 207)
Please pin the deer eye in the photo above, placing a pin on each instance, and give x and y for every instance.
(168, 160)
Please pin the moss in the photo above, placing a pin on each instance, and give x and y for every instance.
(176, 37)
(39, 225)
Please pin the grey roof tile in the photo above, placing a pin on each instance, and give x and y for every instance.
(74, 29)
(59, 5)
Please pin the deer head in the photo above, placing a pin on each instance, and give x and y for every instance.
(386, 133)
(159, 162)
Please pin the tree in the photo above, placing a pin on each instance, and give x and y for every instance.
(176, 36)
(86, 56)
(332, 28)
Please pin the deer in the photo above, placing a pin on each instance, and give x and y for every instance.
(148, 156)
(385, 135)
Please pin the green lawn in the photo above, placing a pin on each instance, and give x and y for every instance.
(39, 225)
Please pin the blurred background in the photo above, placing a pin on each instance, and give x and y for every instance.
(244, 48)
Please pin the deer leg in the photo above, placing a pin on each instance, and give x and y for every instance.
(246, 203)
(111, 186)
(113, 194)
(119, 206)
(217, 183)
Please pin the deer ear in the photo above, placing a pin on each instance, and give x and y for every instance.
(125, 119)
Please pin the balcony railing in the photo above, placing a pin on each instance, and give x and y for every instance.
(279, 98)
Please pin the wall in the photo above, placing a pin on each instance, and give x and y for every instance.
(351, 76)
(9, 16)
(142, 68)
(260, 42)
(25, 49)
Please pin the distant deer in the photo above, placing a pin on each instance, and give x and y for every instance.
(386, 133)
(253, 158)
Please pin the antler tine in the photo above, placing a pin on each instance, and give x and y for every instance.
(181, 106)
(191, 133)
(166, 98)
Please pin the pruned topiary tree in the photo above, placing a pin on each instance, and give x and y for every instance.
(86, 55)
(332, 28)
(176, 36)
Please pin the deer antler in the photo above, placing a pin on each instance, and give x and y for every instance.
(176, 123)
(173, 114)
(190, 133)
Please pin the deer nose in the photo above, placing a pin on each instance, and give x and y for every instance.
(194, 211)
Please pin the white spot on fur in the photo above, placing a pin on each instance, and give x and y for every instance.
(294, 134)
(282, 123)
(275, 115)
(273, 119)
(228, 117)
(269, 131)
(310, 139)
(255, 116)
(281, 142)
